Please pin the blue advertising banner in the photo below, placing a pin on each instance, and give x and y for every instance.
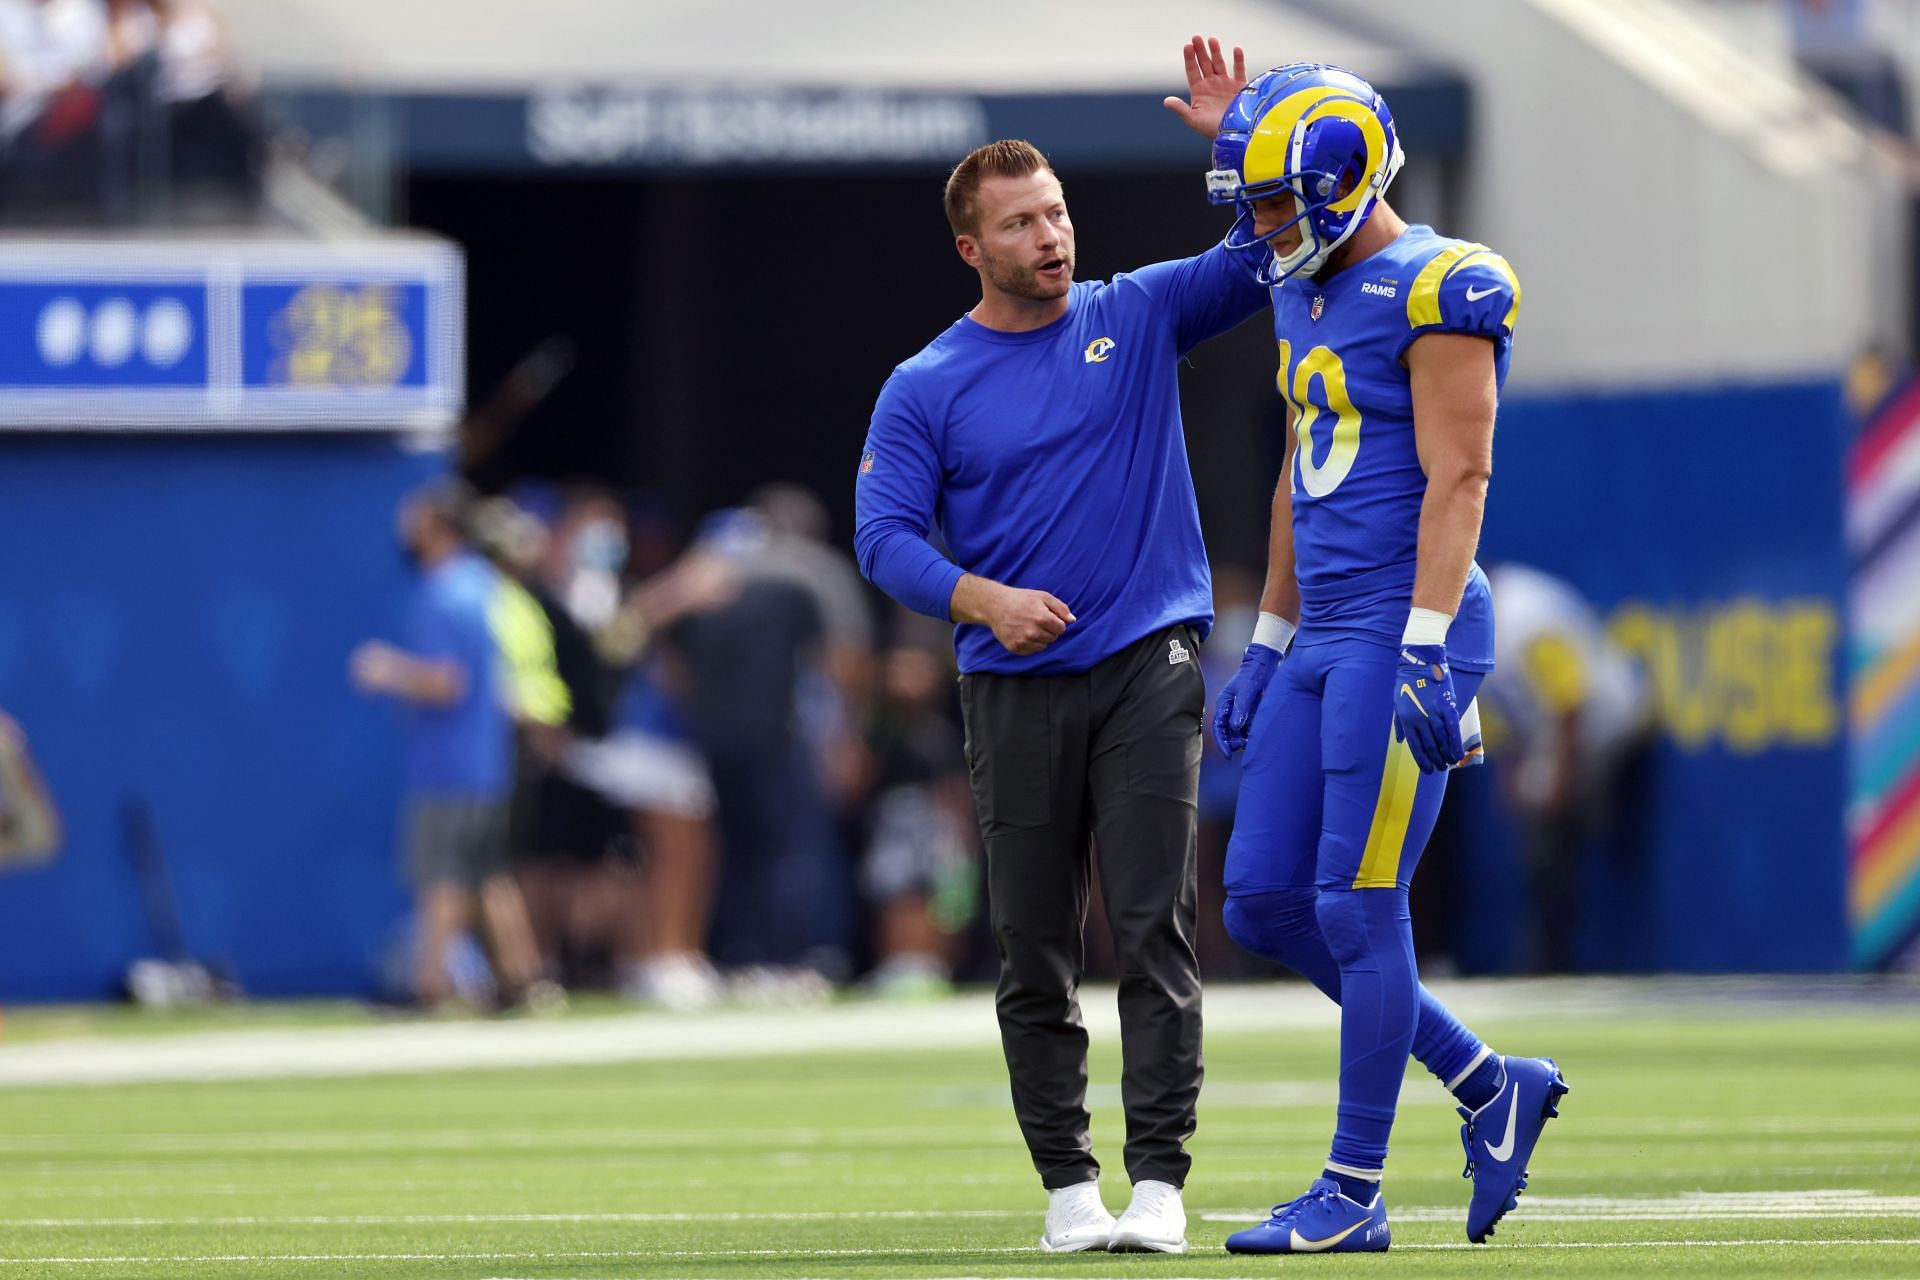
(1705, 526)
(231, 336)
(333, 335)
(175, 620)
(105, 335)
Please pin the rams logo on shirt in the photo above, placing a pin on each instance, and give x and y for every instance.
(1097, 350)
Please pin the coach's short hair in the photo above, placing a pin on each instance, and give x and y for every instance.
(1007, 158)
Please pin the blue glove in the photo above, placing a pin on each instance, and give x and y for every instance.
(1425, 715)
(1233, 710)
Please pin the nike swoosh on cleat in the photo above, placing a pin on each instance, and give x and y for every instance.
(1300, 1244)
(1502, 1151)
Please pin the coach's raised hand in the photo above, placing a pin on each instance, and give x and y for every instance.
(1210, 87)
(1023, 621)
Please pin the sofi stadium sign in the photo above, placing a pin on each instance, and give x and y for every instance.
(624, 127)
(243, 335)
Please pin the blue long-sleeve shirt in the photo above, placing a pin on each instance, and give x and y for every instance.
(1053, 459)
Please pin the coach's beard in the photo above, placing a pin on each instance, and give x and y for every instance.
(1025, 282)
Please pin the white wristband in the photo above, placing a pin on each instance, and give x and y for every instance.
(1426, 626)
(1274, 632)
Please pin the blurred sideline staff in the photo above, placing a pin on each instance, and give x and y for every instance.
(755, 649)
(776, 684)
(918, 871)
(611, 761)
(448, 674)
(30, 832)
(1568, 714)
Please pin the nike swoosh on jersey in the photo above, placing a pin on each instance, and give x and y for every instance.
(1474, 295)
(1300, 1244)
(1502, 1151)
(1408, 690)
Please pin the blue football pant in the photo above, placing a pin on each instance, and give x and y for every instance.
(1332, 818)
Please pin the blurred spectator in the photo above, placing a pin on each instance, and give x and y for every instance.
(448, 674)
(649, 766)
(834, 691)
(29, 824)
(54, 60)
(785, 890)
(1566, 711)
(56, 53)
(563, 833)
(1848, 45)
(536, 697)
(212, 139)
(558, 830)
(919, 871)
(643, 760)
(105, 99)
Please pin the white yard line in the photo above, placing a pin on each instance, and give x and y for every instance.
(628, 1139)
(966, 1022)
(1745, 1205)
(701, 1254)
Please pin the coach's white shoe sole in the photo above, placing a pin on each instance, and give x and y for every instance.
(1129, 1241)
(1080, 1241)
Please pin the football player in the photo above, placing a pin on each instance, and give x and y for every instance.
(1376, 625)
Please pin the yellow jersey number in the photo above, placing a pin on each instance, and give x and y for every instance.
(1296, 384)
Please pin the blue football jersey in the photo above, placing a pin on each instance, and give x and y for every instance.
(1356, 480)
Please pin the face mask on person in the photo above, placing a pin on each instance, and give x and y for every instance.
(600, 546)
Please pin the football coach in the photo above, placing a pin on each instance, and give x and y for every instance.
(1040, 435)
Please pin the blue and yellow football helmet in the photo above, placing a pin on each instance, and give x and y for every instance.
(1317, 131)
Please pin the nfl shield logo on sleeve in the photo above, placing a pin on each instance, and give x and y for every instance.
(1319, 305)
(866, 463)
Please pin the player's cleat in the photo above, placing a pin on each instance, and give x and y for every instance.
(1500, 1137)
(1156, 1221)
(1321, 1221)
(1076, 1220)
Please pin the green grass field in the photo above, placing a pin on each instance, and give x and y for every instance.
(1698, 1140)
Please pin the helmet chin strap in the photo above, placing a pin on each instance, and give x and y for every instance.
(1311, 255)
(1307, 258)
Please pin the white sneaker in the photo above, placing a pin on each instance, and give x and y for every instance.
(1076, 1220)
(1156, 1221)
(681, 982)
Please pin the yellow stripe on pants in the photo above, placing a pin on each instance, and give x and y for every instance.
(1399, 782)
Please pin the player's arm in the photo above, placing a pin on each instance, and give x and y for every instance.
(895, 493)
(1281, 595)
(1455, 392)
(1460, 315)
(1239, 698)
(1454, 398)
